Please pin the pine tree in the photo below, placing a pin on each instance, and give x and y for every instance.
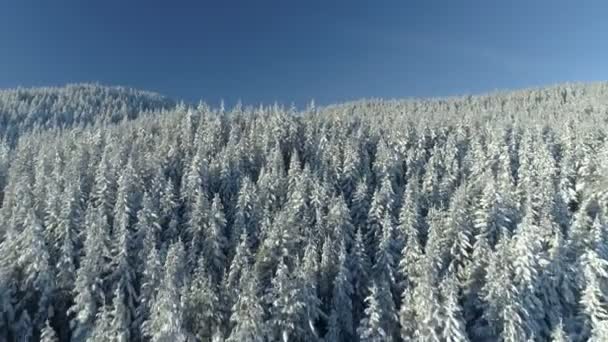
(459, 226)
(340, 317)
(248, 313)
(593, 298)
(147, 228)
(104, 191)
(338, 221)
(286, 306)
(48, 333)
(88, 288)
(453, 323)
(407, 316)
(166, 315)
(197, 228)
(123, 270)
(375, 327)
(386, 255)
(426, 305)
(215, 240)
(360, 204)
(327, 269)
(246, 216)
(558, 334)
(242, 260)
(381, 207)
(202, 304)
(150, 281)
(361, 273)
(308, 276)
(68, 235)
(39, 281)
(103, 325)
(120, 318)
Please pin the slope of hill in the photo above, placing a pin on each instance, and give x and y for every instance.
(479, 218)
(26, 109)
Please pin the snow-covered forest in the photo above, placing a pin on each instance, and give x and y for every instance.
(479, 218)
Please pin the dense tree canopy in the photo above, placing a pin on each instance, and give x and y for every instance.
(468, 219)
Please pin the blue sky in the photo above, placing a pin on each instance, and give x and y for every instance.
(294, 51)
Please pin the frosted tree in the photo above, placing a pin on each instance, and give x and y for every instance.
(459, 226)
(559, 283)
(558, 334)
(379, 321)
(88, 288)
(296, 211)
(248, 313)
(338, 221)
(360, 204)
(387, 254)
(103, 325)
(104, 191)
(53, 205)
(308, 277)
(593, 297)
(454, 329)
(197, 176)
(166, 315)
(327, 269)
(243, 259)
(246, 216)
(286, 306)
(119, 329)
(410, 228)
(47, 334)
(215, 240)
(407, 316)
(38, 278)
(150, 281)
(410, 222)
(350, 171)
(148, 227)
(340, 317)
(123, 258)
(426, 305)
(380, 207)
(202, 304)
(197, 228)
(68, 239)
(361, 272)
(526, 260)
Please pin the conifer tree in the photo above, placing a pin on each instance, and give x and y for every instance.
(286, 306)
(48, 333)
(378, 322)
(361, 273)
(308, 276)
(88, 288)
(340, 318)
(166, 320)
(215, 240)
(248, 313)
(454, 329)
(103, 325)
(202, 304)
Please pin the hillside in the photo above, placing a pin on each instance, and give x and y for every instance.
(477, 218)
(26, 109)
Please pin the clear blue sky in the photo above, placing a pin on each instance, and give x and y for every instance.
(292, 51)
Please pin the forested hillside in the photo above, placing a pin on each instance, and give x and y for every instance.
(481, 218)
(23, 110)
